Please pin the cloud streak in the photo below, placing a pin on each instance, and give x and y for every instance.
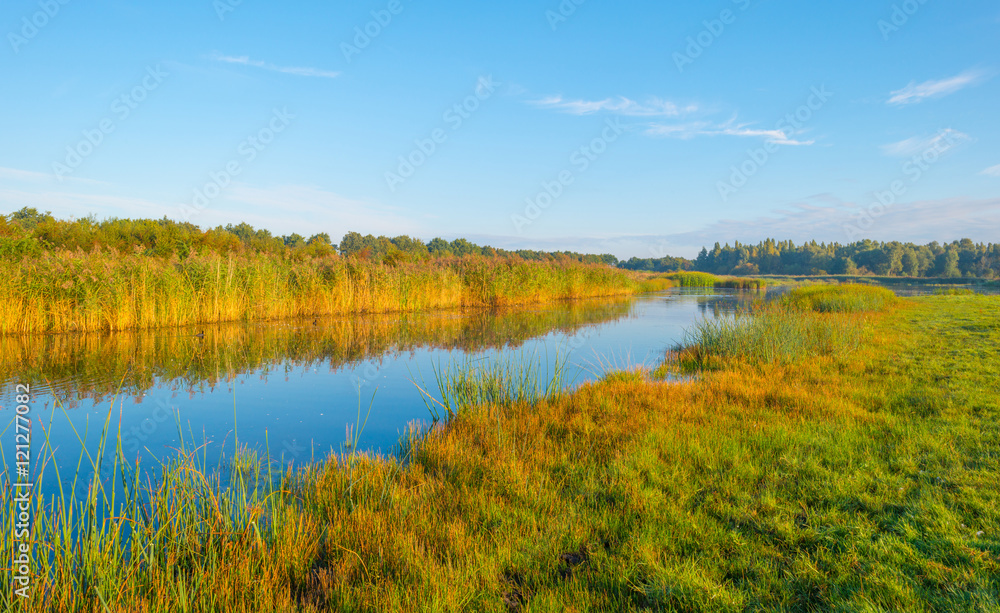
(941, 142)
(244, 60)
(693, 129)
(993, 171)
(915, 93)
(28, 176)
(660, 110)
(653, 107)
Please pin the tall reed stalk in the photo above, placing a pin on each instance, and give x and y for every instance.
(502, 380)
(66, 291)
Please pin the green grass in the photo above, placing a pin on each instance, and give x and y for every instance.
(656, 284)
(766, 336)
(954, 291)
(506, 380)
(693, 279)
(743, 283)
(841, 298)
(707, 280)
(859, 474)
(794, 329)
(878, 280)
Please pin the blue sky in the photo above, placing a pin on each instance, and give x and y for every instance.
(640, 128)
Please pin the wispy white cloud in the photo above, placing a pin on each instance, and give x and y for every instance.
(14, 174)
(943, 141)
(661, 110)
(292, 70)
(653, 107)
(993, 171)
(918, 92)
(693, 129)
(29, 176)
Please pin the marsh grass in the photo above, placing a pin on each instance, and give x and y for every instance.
(954, 291)
(798, 326)
(87, 549)
(708, 280)
(693, 279)
(65, 291)
(744, 283)
(656, 284)
(841, 298)
(500, 380)
(768, 335)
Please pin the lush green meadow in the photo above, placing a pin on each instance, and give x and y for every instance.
(853, 464)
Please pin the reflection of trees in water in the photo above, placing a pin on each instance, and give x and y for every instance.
(721, 306)
(98, 365)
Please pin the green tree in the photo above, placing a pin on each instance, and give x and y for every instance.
(29, 217)
(294, 240)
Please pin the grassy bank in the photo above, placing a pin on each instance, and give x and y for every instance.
(706, 280)
(880, 280)
(64, 291)
(856, 474)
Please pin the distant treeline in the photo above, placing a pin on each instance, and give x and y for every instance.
(962, 258)
(29, 232)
